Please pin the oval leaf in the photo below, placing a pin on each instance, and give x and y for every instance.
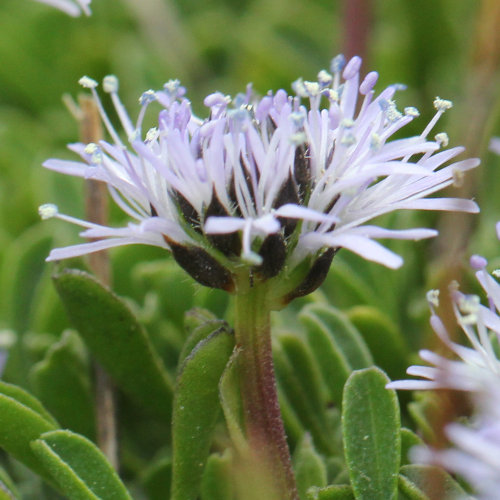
(201, 332)
(196, 408)
(333, 492)
(383, 338)
(347, 338)
(295, 390)
(372, 435)
(232, 405)
(78, 467)
(62, 382)
(217, 483)
(8, 490)
(430, 482)
(310, 470)
(19, 425)
(117, 340)
(26, 399)
(333, 365)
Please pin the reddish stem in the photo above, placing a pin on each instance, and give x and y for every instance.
(264, 425)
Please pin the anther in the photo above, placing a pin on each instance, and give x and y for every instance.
(47, 211)
(110, 84)
(432, 297)
(87, 82)
(442, 104)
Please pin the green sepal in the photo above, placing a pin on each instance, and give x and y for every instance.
(217, 481)
(62, 382)
(78, 467)
(21, 421)
(309, 467)
(372, 435)
(332, 492)
(426, 482)
(383, 339)
(196, 408)
(117, 340)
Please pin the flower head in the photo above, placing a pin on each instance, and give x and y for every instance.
(72, 7)
(476, 370)
(267, 186)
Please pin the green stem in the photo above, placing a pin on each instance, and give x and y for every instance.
(264, 425)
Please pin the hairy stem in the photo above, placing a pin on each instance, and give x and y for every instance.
(264, 425)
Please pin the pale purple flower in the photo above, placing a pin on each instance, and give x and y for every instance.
(267, 183)
(475, 367)
(71, 7)
(475, 453)
(495, 145)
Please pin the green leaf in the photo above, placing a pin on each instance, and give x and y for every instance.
(311, 415)
(217, 482)
(310, 470)
(304, 365)
(344, 334)
(26, 399)
(407, 490)
(425, 410)
(117, 340)
(431, 482)
(293, 427)
(78, 467)
(200, 333)
(408, 440)
(158, 479)
(196, 317)
(332, 363)
(231, 403)
(196, 408)
(62, 382)
(346, 287)
(332, 492)
(175, 289)
(23, 268)
(8, 490)
(372, 439)
(20, 423)
(383, 339)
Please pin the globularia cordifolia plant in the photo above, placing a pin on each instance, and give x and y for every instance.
(256, 199)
